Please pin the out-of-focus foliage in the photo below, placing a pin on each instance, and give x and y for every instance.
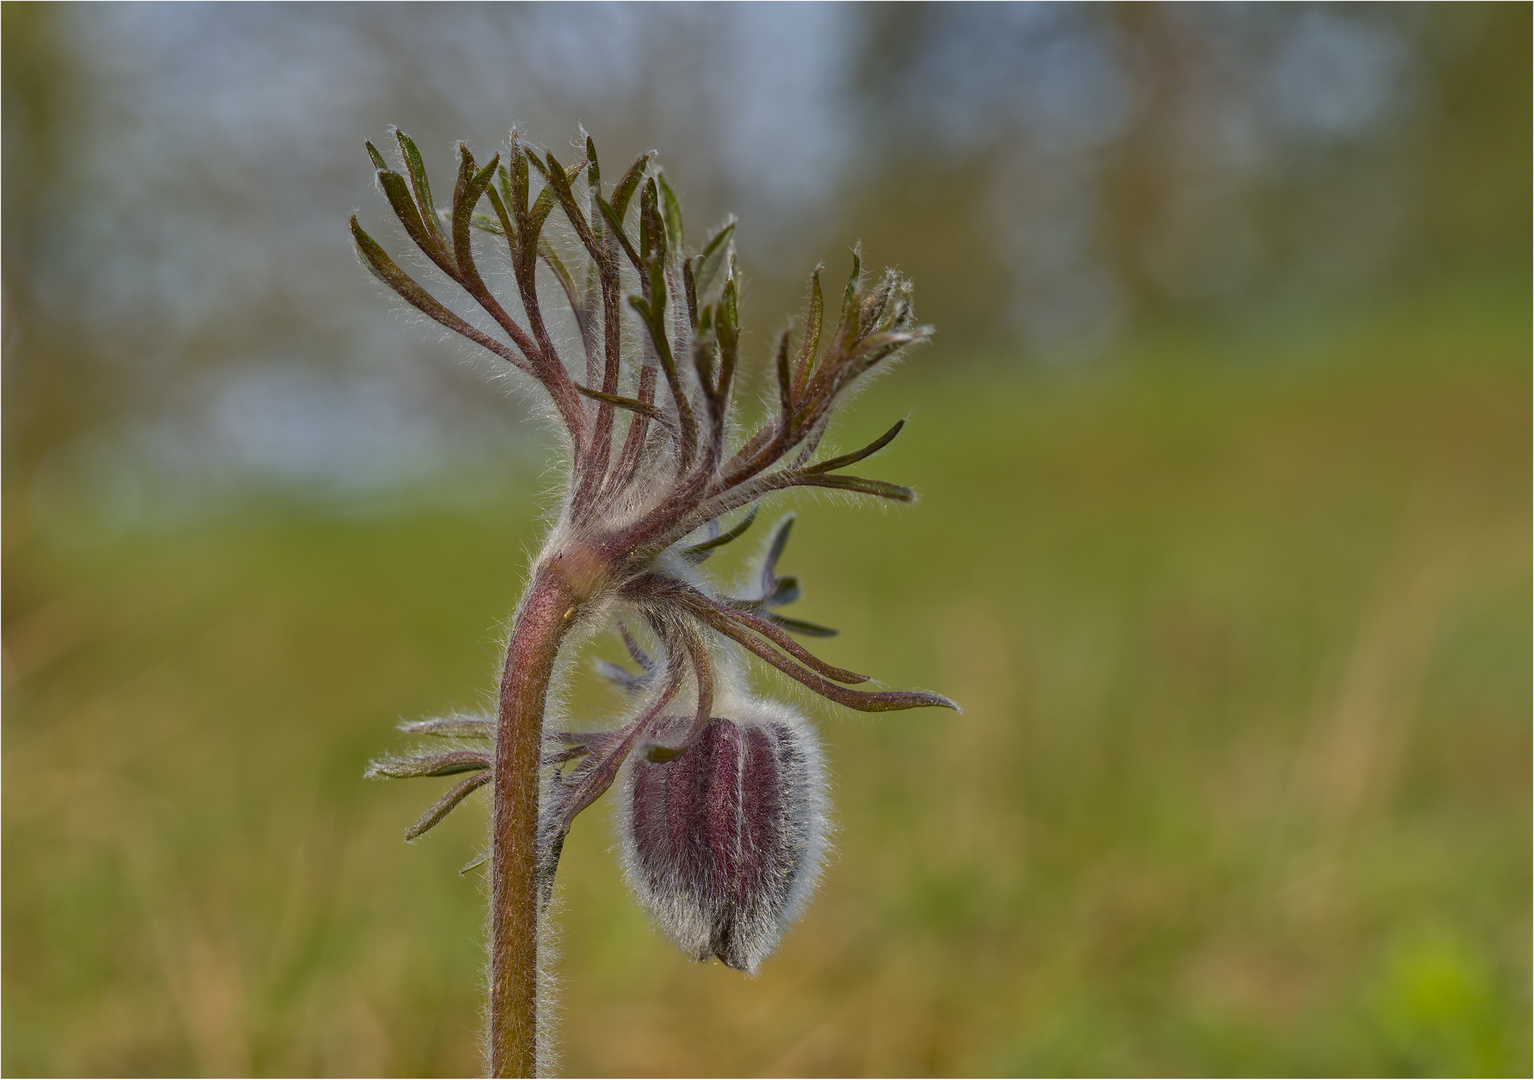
(182, 312)
(1223, 448)
(1241, 786)
(1096, 166)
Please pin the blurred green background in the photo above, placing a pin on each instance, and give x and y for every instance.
(1223, 543)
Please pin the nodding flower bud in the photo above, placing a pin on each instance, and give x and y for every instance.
(722, 844)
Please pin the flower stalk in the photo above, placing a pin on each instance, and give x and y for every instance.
(657, 459)
(537, 632)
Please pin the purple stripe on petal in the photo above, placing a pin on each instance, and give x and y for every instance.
(723, 841)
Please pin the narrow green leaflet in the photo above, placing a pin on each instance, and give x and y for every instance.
(673, 211)
(712, 257)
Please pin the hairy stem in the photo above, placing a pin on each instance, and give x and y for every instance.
(541, 623)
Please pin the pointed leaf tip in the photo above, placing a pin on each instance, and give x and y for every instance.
(860, 484)
(673, 213)
(699, 551)
(858, 455)
(593, 174)
(446, 804)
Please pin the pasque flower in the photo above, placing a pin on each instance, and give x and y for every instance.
(661, 473)
(722, 844)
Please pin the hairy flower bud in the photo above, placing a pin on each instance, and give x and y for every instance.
(722, 844)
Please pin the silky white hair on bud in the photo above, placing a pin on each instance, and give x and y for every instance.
(723, 845)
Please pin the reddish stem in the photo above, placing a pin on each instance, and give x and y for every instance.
(539, 629)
